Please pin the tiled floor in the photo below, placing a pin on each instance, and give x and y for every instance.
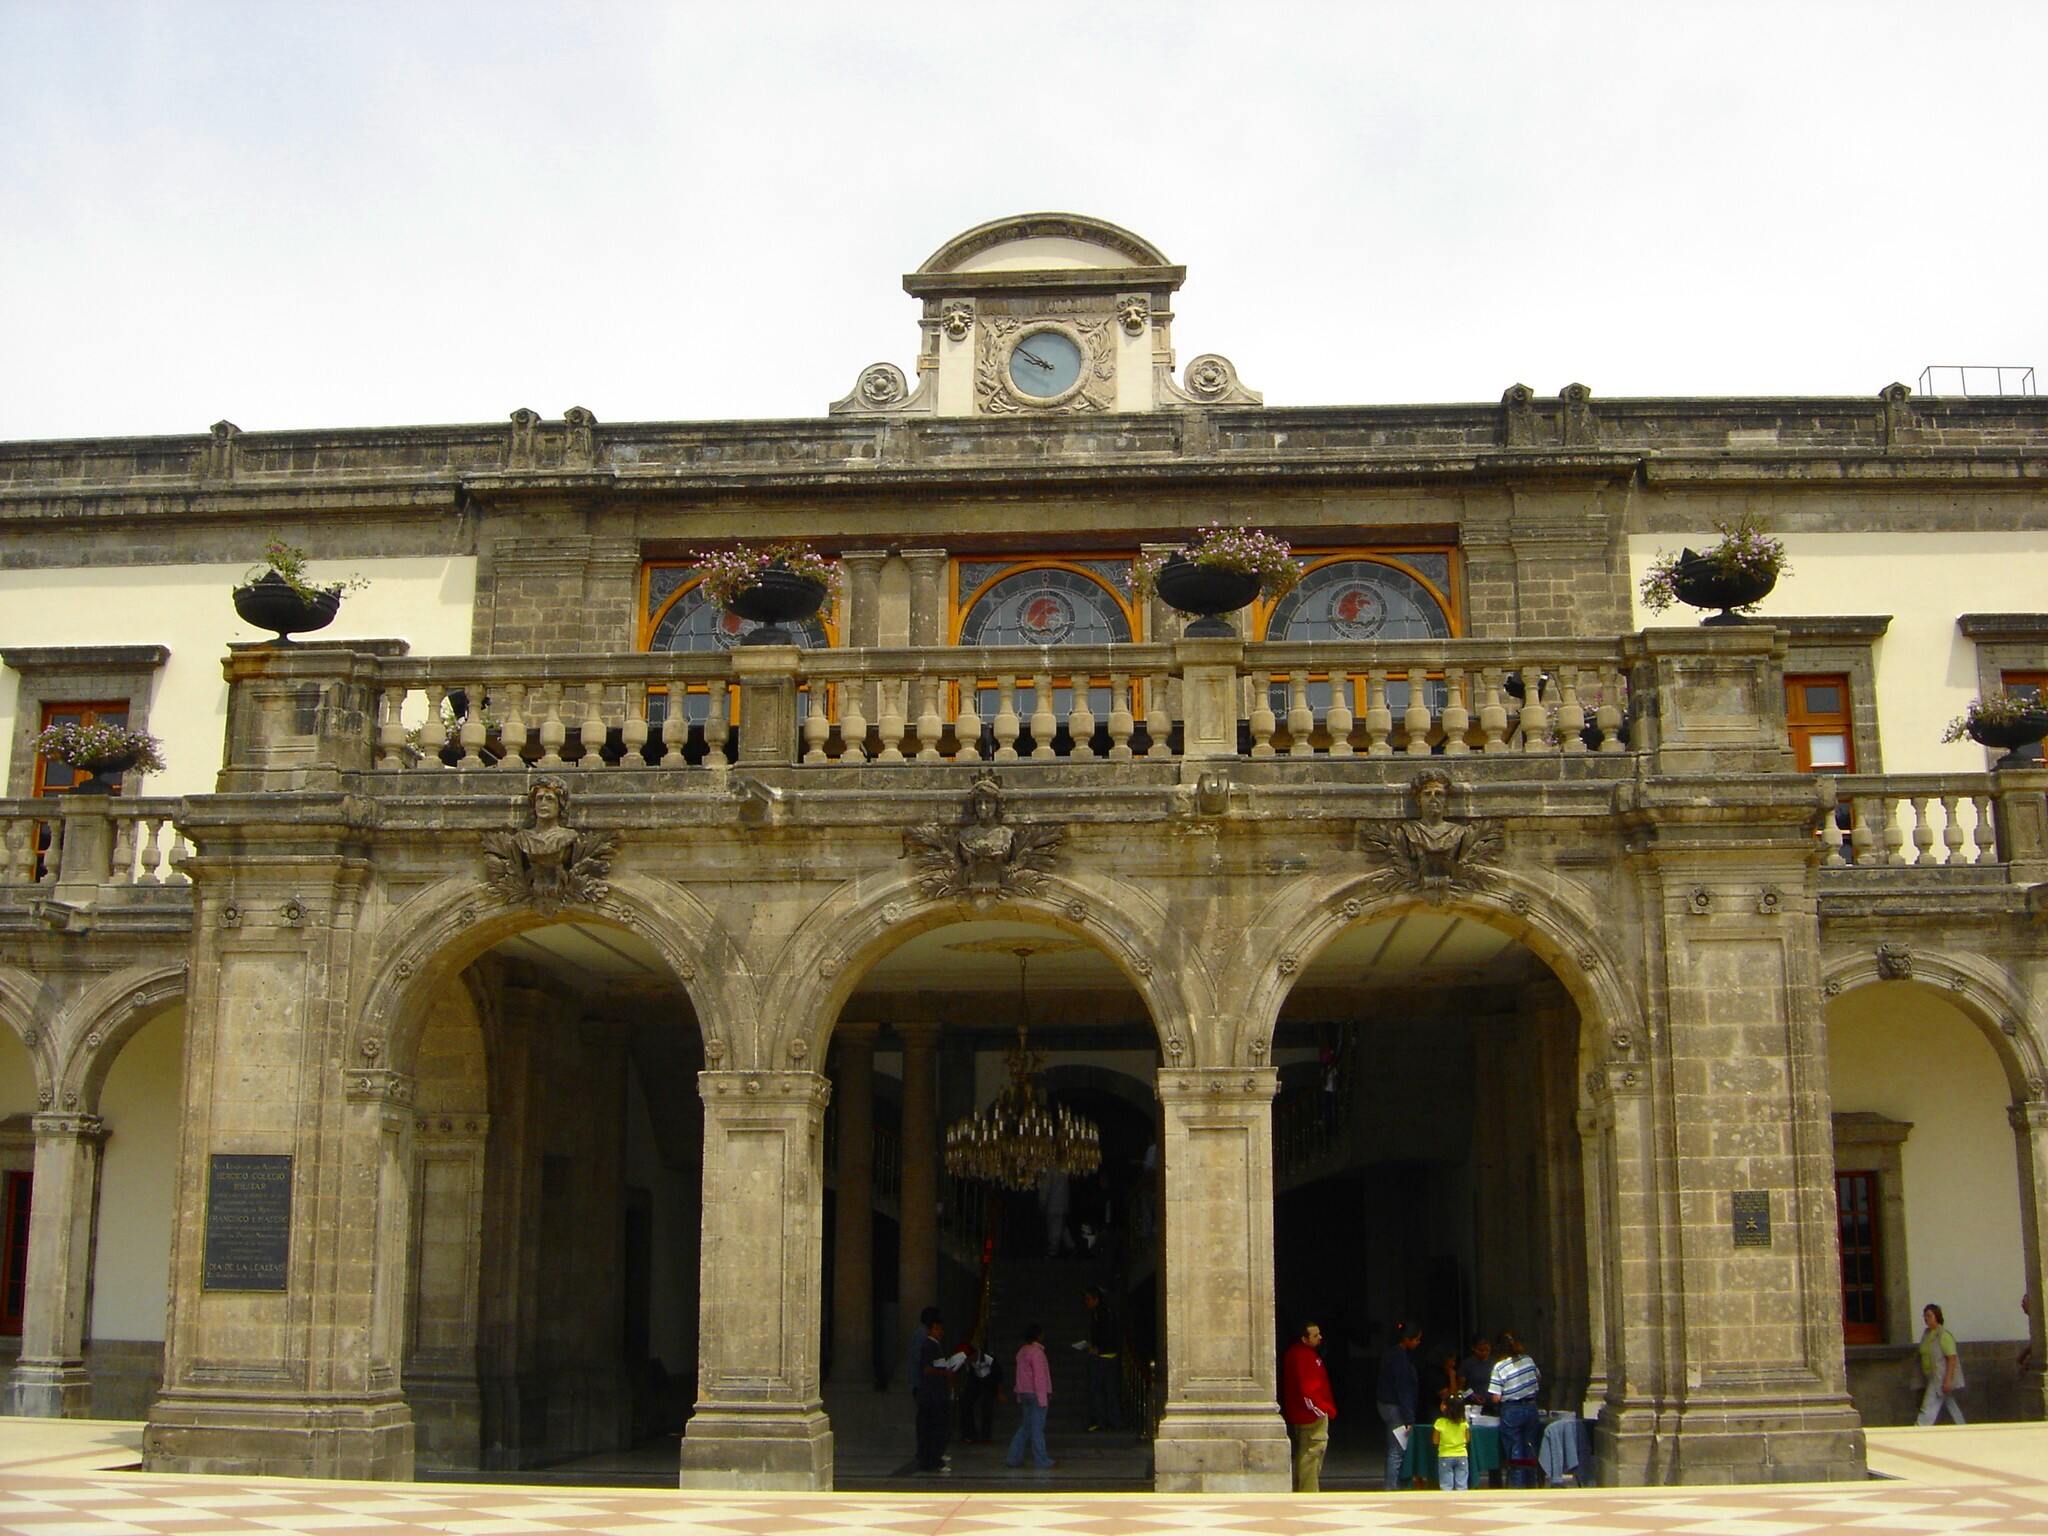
(1943, 1481)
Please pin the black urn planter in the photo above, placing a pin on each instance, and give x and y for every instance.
(101, 772)
(774, 599)
(1702, 583)
(1208, 591)
(270, 604)
(2011, 736)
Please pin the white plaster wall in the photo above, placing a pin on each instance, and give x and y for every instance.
(138, 1182)
(1043, 253)
(1897, 1049)
(1926, 670)
(425, 601)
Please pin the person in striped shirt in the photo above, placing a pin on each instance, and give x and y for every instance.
(1514, 1385)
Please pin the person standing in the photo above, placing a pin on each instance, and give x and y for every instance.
(1477, 1368)
(1451, 1434)
(1395, 1396)
(932, 1391)
(981, 1386)
(1941, 1366)
(1308, 1405)
(1105, 1370)
(1514, 1386)
(1031, 1384)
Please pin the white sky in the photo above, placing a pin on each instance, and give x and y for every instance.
(297, 215)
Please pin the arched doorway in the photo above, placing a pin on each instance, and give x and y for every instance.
(553, 1187)
(922, 1041)
(1427, 1162)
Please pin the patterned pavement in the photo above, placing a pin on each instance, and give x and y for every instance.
(46, 1490)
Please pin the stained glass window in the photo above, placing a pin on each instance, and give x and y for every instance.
(1358, 600)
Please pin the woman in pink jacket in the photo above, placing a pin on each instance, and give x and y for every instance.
(1032, 1387)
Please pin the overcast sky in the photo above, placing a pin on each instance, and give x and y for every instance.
(299, 215)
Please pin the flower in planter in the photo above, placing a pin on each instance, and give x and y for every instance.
(1247, 551)
(1995, 712)
(727, 573)
(87, 746)
(286, 563)
(1745, 553)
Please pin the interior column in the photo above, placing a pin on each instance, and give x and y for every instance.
(853, 1237)
(917, 1261)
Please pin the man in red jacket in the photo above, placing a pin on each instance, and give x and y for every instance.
(1307, 1406)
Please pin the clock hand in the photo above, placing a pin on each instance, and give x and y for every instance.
(1034, 359)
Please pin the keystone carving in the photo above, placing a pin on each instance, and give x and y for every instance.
(548, 865)
(1429, 853)
(1894, 962)
(1133, 311)
(987, 855)
(957, 319)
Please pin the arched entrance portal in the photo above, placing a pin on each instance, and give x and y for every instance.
(1427, 1162)
(553, 1184)
(923, 1041)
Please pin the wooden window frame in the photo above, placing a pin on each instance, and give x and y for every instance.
(1801, 727)
(1858, 1332)
(1874, 1143)
(1841, 645)
(60, 674)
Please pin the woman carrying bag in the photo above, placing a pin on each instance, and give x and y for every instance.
(1942, 1368)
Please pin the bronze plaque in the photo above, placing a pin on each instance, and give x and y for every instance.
(248, 1221)
(1752, 1218)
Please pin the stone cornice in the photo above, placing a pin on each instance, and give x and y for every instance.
(2021, 627)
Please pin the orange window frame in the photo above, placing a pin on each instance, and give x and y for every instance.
(1804, 721)
(1860, 1245)
(105, 711)
(1449, 597)
(2012, 682)
(651, 622)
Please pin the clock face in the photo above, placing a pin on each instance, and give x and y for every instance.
(1044, 364)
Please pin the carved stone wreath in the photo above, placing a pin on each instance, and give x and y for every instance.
(985, 855)
(1096, 390)
(549, 865)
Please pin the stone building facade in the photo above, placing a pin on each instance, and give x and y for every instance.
(552, 988)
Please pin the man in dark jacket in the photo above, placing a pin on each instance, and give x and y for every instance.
(931, 1389)
(1395, 1396)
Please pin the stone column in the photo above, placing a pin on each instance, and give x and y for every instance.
(1594, 1133)
(917, 1262)
(1221, 1431)
(759, 1421)
(853, 1234)
(49, 1379)
(928, 612)
(2030, 1137)
(863, 568)
(1210, 674)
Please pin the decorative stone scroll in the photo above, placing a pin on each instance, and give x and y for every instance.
(549, 865)
(1429, 853)
(987, 855)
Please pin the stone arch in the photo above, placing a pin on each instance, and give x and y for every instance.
(841, 941)
(1980, 992)
(19, 1011)
(434, 937)
(1565, 934)
(105, 1019)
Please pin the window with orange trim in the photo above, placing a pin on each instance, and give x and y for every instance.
(1856, 1212)
(1818, 720)
(57, 778)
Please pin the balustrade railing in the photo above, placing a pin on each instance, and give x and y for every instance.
(112, 840)
(1913, 819)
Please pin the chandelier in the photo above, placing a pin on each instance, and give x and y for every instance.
(1019, 1137)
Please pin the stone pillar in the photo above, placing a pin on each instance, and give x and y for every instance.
(853, 1232)
(1221, 1431)
(441, 1361)
(917, 1263)
(1210, 672)
(1594, 1133)
(928, 610)
(49, 1379)
(863, 568)
(508, 1344)
(759, 1421)
(2030, 1137)
(767, 678)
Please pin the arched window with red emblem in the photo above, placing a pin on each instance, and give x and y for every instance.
(678, 617)
(1051, 601)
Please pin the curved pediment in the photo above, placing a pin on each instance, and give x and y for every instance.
(1042, 242)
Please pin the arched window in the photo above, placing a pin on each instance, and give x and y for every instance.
(1346, 598)
(1047, 604)
(679, 618)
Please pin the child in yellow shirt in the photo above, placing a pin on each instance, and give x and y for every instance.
(1452, 1435)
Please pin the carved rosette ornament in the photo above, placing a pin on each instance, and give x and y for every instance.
(1428, 853)
(986, 855)
(549, 865)
(882, 384)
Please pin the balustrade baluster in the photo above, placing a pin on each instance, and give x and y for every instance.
(633, 731)
(1081, 721)
(1261, 721)
(853, 724)
(1608, 712)
(179, 854)
(889, 696)
(1571, 715)
(1923, 830)
(1493, 712)
(817, 728)
(1862, 845)
(675, 725)
(1415, 719)
(967, 722)
(1535, 721)
(1379, 720)
(1007, 724)
(1338, 722)
(931, 728)
(1043, 721)
(1457, 719)
(1951, 830)
(121, 866)
(590, 730)
(469, 730)
(513, 732)
(1301, 715)
(1158, 717)
(1121, 725)
(53, 856)
(717, 724)
(13, 850)
(434, 730)
(1831, 836)
(151, 856)
(391, 729)
(1894, 833)
(552, 732)
(1985, 833)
